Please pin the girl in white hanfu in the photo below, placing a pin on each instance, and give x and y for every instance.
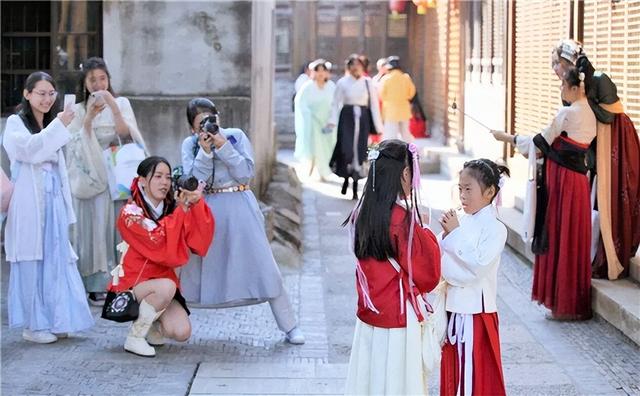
(45, 297)
(102, 120)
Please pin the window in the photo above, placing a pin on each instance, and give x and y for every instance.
(54, 37)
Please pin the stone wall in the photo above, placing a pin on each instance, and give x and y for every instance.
(162, 54)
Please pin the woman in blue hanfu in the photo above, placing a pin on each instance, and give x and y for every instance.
(46, 297)
(315, 141)
(239, 268)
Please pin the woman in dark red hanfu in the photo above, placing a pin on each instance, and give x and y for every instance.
(562, 237)
(618, 166)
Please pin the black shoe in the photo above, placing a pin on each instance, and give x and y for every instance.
(355, 189)
(345, 185)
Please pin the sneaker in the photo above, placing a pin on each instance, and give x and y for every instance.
(39, 337)
(61, 335)
(295, 336)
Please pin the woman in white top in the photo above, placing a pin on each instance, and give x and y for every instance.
(471, 249)
(102, 120)
(356, 112)
(46, 297)
(562, 236)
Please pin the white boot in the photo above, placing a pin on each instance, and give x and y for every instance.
(155, 337)
(135, 342)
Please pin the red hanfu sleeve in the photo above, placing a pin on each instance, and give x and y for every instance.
(425, 252)
(199, 227)
(162, 243)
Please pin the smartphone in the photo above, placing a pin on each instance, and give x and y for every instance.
(69, 100)
(98, 98)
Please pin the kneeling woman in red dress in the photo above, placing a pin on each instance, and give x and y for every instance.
(160, 232)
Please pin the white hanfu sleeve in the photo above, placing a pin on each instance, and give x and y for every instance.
(23, 146)
(471, 261)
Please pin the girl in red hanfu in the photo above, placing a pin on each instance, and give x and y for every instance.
(398, 261)
(160, 232)
(562, 236)
(471, 249)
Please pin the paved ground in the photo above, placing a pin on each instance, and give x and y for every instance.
(240, 350)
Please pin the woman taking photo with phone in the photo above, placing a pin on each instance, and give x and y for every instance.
(102, 120)
(45, 297)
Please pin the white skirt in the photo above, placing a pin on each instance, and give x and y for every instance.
(387, 361)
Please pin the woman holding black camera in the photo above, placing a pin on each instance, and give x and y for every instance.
(160, 231)
(239, 268)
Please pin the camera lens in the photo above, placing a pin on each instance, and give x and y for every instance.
(189, 183)
(210, 124)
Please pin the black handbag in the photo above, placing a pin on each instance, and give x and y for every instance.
(120, 307)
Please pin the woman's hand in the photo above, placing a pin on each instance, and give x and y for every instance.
(501, 136)
(66, 116)
(219, 140)
(187, 198)
(108, 99)
(449, 221)
(205, 140)
(94, 107)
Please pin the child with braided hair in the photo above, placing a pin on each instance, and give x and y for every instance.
(471, 248)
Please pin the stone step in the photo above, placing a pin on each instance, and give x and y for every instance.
(290, 378)
(618, 302)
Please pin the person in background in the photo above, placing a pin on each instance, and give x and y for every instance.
(365, 65)
(381, 66)
(315, 142)
(46, 296)
(396, 91)
(305, 75)
(357, 115)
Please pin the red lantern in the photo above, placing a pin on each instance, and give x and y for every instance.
(397, 6)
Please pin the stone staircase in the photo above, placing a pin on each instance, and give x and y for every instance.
(618, 301)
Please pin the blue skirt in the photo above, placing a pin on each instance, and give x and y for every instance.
(239, 268)
(48, 294)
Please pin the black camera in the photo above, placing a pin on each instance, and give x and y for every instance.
(210, 124)
(182, 181)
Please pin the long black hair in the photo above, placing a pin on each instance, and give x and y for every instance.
(148, 167)
(94, 63)
(25, 111)
(487, 173)
(583, 65)
(372, 238)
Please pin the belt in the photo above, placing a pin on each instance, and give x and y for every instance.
(241, 187)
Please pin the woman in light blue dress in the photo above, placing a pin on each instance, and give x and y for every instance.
(239, 268)
(46, 295)
(314, 140)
